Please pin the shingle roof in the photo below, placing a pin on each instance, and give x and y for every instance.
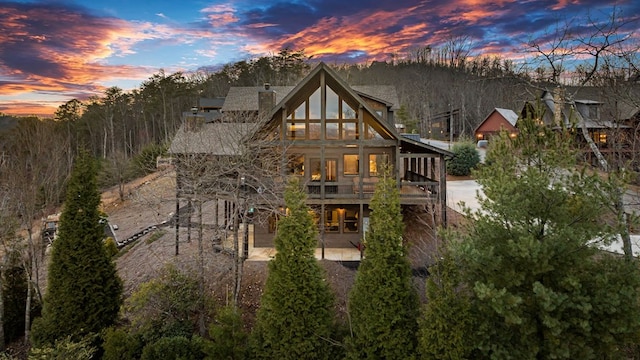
(509, 115)
(385, 93)
(211, 102)
(212, 138)
(245, 98)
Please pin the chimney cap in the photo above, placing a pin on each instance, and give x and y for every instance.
(267, 86)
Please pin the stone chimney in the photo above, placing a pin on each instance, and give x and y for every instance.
(266, 100)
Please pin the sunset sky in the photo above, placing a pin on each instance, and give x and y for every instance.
(53, 51)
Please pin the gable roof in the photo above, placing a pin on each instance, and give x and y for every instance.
(212, 138)
(383, 93)
(332, 79)
(245, 98)
(570, 113)
(225, 138)
(508, 115)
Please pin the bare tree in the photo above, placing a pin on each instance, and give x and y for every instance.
(234, 169)
(593, 54)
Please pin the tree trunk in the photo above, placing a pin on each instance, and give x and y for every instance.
(189, 207)
(2, 347)
(201, 319)
(236, 251)
(27, 308)
(618, 205)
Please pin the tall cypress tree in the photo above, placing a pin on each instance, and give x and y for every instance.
(296, 316)
(383, 305)
(84, 293)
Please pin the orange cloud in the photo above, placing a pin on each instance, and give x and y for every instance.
(61, 51)
(564, 3)
(19, 108)
(380, 33)
(364, 32)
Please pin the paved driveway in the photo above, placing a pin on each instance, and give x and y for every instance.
(463, 191)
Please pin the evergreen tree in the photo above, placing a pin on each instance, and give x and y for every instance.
(228, 338)
(84, 293)
(465, 159)
(383, 305)
(295, 318)
(540, 288)
(447, 317)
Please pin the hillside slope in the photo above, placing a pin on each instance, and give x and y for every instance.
(151, 201)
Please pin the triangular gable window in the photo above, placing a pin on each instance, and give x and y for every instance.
(335, 119)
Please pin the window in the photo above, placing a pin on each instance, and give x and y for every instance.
(375, 163)
(300, 112)
(372, 133)
(332, 220)
(341, 220)
(296, 165)
(351, 163)
(332, 131)
(349, 131)
(340, 119)
(330, 171)
(333, 102)
(315, 107)
(350, 220)
(296, 130)
(602, 139)
(316, 171)
(314, 130)
(347, 111)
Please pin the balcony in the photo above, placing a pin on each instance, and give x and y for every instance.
(412, 191)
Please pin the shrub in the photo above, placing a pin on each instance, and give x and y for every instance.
(111, 247)
(66, 349)
(176, 347)
(145, 161)
(121, 345)
(155, 236)
(165, 306)
(465, 157)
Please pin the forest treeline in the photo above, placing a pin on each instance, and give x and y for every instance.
(122, 126)
(119, 125)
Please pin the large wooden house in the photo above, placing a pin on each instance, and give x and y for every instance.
(334, 137)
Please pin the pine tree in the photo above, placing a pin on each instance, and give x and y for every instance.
(84, 293)
(540, 288)
(383, 305)
(295, 319)
(447, 319)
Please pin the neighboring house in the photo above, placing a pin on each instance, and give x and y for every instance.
(333, 136)
(210, 109)
(613, 135)
(498, 120)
